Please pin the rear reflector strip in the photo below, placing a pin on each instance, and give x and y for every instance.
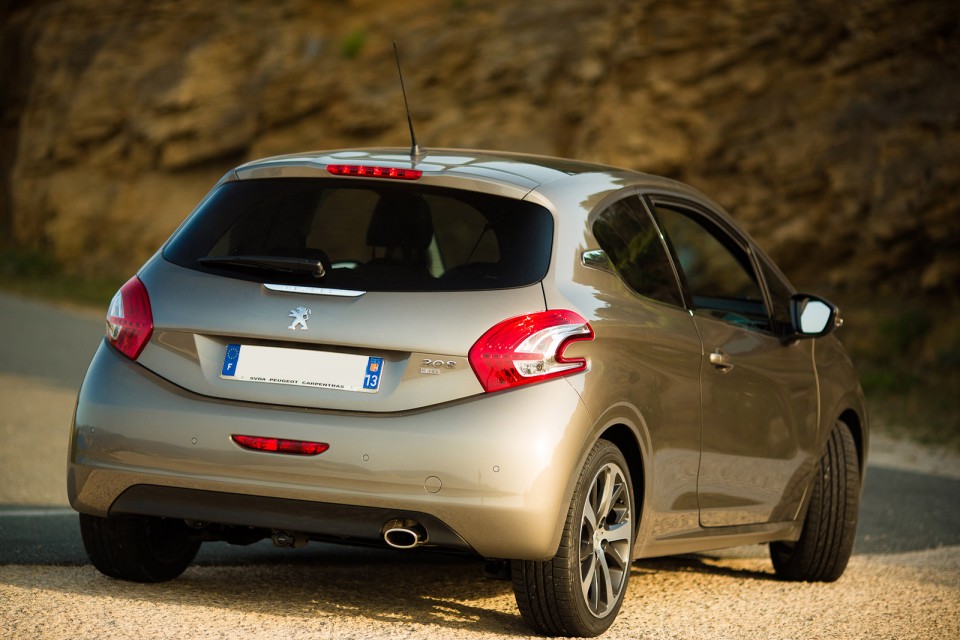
(360, 170)
(279, 445)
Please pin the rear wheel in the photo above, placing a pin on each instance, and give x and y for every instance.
(824, 547)
(580, 590)
(138, 548)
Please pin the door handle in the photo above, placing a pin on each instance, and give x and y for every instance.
(721, 361)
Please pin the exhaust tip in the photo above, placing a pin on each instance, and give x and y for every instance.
(404, 534)
(292, 539)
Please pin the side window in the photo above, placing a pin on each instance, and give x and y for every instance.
(780, 292)
(632, 242)
(718, 272)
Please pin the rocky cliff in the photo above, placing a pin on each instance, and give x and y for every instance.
(831, 130)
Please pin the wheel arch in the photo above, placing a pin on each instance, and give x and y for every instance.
(841, 397)
(623, 437)
(857, 428)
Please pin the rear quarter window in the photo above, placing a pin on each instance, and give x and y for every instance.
(368, 235)
(632, 242)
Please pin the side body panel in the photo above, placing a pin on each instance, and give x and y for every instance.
(650, 382)
(644, 374)
(759, 426)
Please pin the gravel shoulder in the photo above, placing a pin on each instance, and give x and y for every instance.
(913, 595)
(906, 455)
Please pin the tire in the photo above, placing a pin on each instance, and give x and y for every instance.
(829, 529)
(549, 593)
(138, 548)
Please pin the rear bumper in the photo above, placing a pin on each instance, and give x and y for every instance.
(504, 463)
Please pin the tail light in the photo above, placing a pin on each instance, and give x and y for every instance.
(529, 349)
(129, 319)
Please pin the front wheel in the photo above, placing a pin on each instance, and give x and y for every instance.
(580, 590)
(138, 548)
(829, 530)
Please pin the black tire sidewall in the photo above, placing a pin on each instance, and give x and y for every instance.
(137, 548)
(829, 528)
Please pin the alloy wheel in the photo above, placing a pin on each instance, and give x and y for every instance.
(606, 539)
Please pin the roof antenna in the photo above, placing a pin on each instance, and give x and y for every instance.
(414, 147)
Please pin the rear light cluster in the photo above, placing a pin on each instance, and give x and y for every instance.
(373, 172)
(529, 348)
(129, 319)
(279, 445)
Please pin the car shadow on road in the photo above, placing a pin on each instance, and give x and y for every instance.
(699, 563)
(326, 585)
(384, 585)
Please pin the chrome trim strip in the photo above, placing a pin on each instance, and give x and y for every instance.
(317, 291)
(596, 259)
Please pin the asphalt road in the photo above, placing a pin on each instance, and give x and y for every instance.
(904, 579)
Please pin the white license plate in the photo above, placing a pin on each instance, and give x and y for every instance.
(317, 369)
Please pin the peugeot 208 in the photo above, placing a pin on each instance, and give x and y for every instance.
(563, 365)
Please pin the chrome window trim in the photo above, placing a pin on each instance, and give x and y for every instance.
(316, 291)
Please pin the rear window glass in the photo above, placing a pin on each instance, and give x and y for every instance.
(366, 236)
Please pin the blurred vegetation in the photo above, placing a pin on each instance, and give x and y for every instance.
(352, 44)
(32, 273)
(907, 353)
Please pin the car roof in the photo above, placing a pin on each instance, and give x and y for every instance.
(523, 170)
(545, 179)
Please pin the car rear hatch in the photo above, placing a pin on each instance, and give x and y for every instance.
(341, 293)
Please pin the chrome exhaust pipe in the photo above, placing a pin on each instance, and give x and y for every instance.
(403, 534)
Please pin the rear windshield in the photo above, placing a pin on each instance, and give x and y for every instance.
(365, 236)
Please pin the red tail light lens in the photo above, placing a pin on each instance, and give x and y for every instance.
(529, 349)
(129, 319)
(373, 172)
(279, 445)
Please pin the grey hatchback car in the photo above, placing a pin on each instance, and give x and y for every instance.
(558, 364)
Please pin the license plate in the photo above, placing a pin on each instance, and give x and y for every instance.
(316, 369)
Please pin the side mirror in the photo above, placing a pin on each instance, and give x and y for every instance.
(813, 317)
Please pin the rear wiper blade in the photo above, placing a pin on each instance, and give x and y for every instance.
(272, 263)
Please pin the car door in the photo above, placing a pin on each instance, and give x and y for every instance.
(758, 392)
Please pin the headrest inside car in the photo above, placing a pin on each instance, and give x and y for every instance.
(400, 220)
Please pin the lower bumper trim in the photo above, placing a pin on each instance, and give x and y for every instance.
(319, 519)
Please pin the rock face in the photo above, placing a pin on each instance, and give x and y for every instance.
(830, 130)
